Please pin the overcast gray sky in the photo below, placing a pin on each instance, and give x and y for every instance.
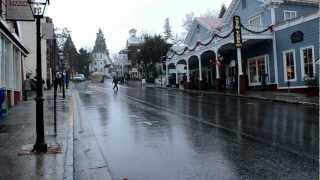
(116, 17)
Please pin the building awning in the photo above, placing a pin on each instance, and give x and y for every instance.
(4, 29)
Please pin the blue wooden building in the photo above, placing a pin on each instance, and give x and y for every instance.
(281, 58)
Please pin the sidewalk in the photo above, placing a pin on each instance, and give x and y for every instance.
(275, 96)
(18, 129)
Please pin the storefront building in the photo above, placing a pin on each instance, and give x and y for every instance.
(12, 56)
(270, 34)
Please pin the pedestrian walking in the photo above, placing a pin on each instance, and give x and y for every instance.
(48, 84)
(60, 80)
(66, 79)
(27, 87)
(115, 83)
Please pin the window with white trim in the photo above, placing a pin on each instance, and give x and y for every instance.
(289, 15)
(3, 62)
(244, 4)
(258, 70)
(307, 61)
(8, 59)
(289, 65)
(255, 21)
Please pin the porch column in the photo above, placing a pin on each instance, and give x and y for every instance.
(167, 77)
(274, 45)
(200, 68)
(188, 72)
(239, 61)
(241, 79)
(177, 74)
(217, 66)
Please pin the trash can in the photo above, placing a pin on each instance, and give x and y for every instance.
(2, 100)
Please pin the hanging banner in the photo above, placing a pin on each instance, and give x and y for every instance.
(19, 10)
(237, 31)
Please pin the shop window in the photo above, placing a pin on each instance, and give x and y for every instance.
(244, 4)
(3, 63)
(289, 15)
(255, 23)
(289, 65)
(307, 62)
(8, 60)
(258, 70)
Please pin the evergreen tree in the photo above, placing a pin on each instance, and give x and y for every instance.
(222, 11)
(70, 55)
(167, 29)
(84, 60)
(153, 48)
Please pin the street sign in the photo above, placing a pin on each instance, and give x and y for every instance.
(19, 10)
(237, 31)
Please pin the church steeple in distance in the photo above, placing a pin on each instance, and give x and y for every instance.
(100, 44)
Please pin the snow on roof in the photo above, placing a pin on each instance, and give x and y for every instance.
(209, 22)
(134, 40)
(291, 1)
(303, 1)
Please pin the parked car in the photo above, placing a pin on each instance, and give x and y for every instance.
(97, 77)
(79, 77)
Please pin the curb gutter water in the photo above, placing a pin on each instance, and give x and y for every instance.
(242, 96)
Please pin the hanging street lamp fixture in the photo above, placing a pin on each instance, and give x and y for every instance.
(38, 8)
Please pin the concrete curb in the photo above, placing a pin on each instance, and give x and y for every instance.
(241, 96)
(68, 173)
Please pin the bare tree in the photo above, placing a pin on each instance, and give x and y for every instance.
(187, 21)
(222, 10)
(167, 30)
(61, 36)
(210, 14)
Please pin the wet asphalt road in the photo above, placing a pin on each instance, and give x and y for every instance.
(156, 134)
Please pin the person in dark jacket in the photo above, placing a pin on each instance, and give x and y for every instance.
(115, 83)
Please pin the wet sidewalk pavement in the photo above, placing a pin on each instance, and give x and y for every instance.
(18, 129)
(278, 96)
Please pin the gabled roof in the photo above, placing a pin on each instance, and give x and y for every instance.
(234, 4)
(295, 1)
(210, 23)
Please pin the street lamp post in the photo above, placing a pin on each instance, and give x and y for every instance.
(61, 56)
(38, 8)
(162, 59)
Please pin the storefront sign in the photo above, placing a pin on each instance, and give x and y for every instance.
(296, 37)
(237, 31)
(19, 10)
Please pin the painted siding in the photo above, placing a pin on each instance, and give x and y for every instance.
(302, 10)
(311, 38)
(254, 8)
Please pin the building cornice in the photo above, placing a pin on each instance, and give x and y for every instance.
(4, 28)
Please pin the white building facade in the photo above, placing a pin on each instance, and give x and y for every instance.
(12, 59)
(101, 62)
(28, 37)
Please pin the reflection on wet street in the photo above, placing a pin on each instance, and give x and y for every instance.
(150, 133)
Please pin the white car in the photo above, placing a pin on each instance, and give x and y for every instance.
(79, 77)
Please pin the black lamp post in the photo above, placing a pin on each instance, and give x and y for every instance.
(162, 59)
(38, 8)
(61, 56)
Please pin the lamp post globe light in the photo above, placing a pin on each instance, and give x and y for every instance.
(38, 9)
